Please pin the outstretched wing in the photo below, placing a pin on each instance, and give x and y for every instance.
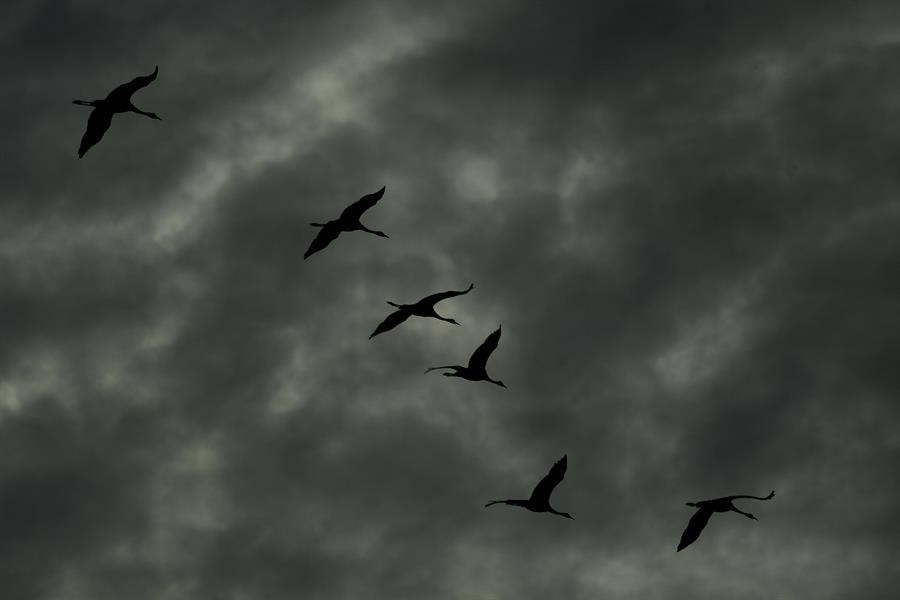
(356, 210)
(769, 497)
(124, 91)
(542, 490)
(435, 298)
(479, 358)
(98, 123)
(327, 234)
(391, 321)
(694, 527)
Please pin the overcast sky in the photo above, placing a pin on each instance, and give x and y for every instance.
(684, 214)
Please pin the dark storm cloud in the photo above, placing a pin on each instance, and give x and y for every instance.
(682, 214)
(63, 495)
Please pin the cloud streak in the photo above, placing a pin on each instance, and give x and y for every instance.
(683, 214)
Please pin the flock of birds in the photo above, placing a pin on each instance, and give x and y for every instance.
(119, 101)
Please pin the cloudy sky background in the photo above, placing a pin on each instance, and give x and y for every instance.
(683, 213)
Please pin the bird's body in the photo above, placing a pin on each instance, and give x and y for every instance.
(540, 497)
(348, 221)
(117, 101)
(705, 510)
(476, 370)
(422, 308)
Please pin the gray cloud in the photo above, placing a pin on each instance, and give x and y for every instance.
(683, 214)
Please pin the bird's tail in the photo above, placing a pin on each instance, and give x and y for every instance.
(511, 502)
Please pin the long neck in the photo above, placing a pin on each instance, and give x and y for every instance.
(135, 109)
(561, 514)
(495, 382)
(372, 231)
(740, 512)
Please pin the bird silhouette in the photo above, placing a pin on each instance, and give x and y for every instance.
(540, 497)
(476, 370)
(706, 509)
(348, 221)
(117, 101)
(422, 308)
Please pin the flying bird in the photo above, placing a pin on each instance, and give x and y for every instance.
(422, 308)
(117, 101)
(476, 370)
(348, 221)
(706, 509)
(540, 497)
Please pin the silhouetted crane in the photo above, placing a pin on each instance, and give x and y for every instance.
(348, 221)
(422, 308)
(477, 367)
(540, 497)
(117, 101)
(707, 508)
